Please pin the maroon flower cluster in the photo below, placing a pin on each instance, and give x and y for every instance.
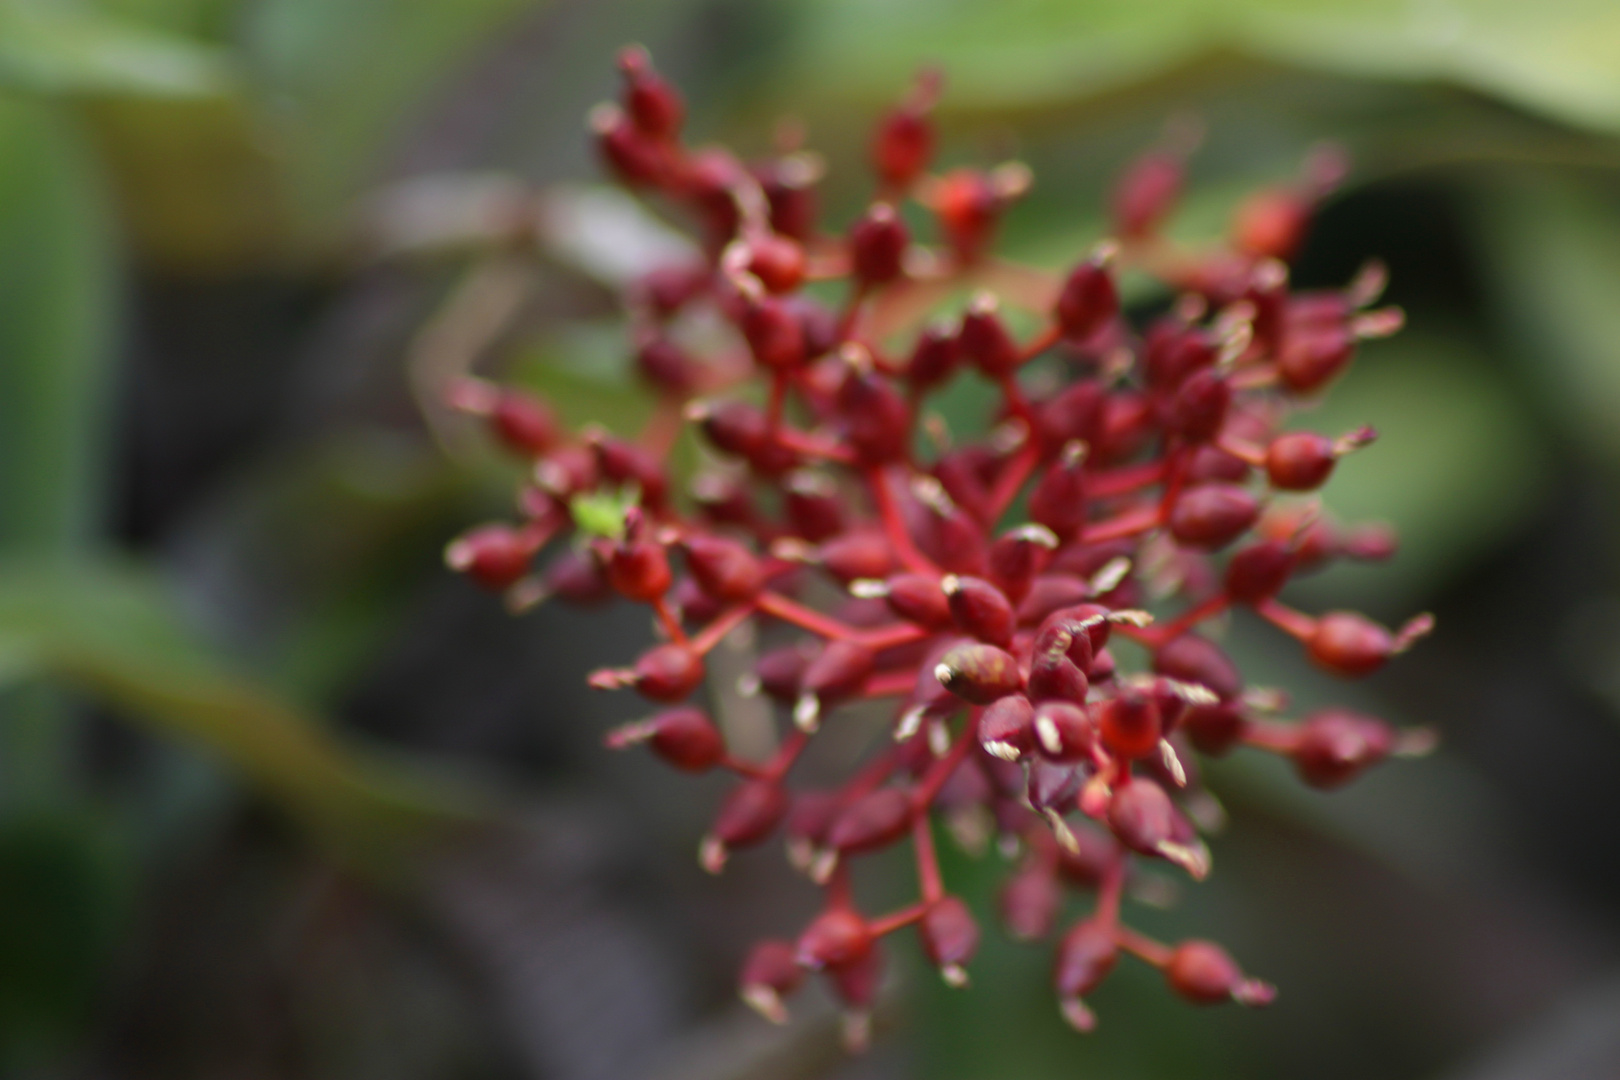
(982, 584)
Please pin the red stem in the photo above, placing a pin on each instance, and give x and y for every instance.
(894, 527)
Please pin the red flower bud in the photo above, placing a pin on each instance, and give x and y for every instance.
(523, 422)
(1349, 644)
(1196, 659)
(667, 366)
(979, 673)
(950, 937)
(749, 814)
(781, 672)
(837, 938)
(777, 261)
(1017, 556)
(639, 570)
(1088, 300)
(1310, 358)
(836, 673)
(875, 820)
(1213, 463)
(577, 577)
(1147, 192)
(635, 158)
(1335, 746)
(904, 142)
(984, 339)
(1029, 903)
(1131, 724)
(877, 245)
(1085, 957)
(773, 333)
(724, 568)
(625, 463)
(1049, 593)
(1063, 731)
(935, 356)
(495, 556)
(1259, 571)
(653, 104)
(1300, 461)
(686, 738)
(770, 974)
(1141, 816)
(1072, 415)
(1199, 408)
(1271, 224)
(1006, 729)
(877, 420)
(1203, 973)
(857, 555)
(668, 672)
(918, 598)
(1059, 499)
(980, 609)
(1210, 516)
(813, 507)
(1213, 729)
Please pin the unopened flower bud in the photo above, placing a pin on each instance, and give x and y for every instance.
(667, 672)
(904, 141)
(950, 937)
(1335, 746)
(639, 570)
(1259, 571)
(1085, 957)
(749, 814)
(1213, 729)
(979, 673)
(1063, 731)
(777, 261)
(770, 974)
(1195, 659)
(878, 244)
(984, 339)
(1203, 973)
(1029, 902)
(1271, 224)
(1212, 515)
(935, 356)
(1059, 499)
(1005, 729)
(495, 556)
(857, 555)
(653, 104)
(875, 820)
(1353, 645)
(773, 333)
(1088, 301)
(1130, 724)
(877, 420)
(724, 568)
(837, 938)
(836, 673)
(1146, 193)
(686, 738)
(523, 422)
(918, 598)
(1198, 410)
(979, 608)
(1017, 556)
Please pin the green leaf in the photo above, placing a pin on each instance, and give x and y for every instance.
(110, 631)
(62, 47)
(1560, 57)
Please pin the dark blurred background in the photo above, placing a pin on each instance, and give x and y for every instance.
(281, 797)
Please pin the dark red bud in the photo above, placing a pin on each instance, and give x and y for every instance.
(1052, 786)
(979, 673)
(1049, 593)
(1059, 499)
(1213, 463)
(724, 568)
(950, 937)
(875, 820)
(1072, 415)
(902, 146)
(1085, 956)
(639, 570)
(777, 261)
(1271, 224)
(979, 608)
(813, 506)
(857, 555)
(686, 738)
(968, 205)
(577, 577)
(1088, 301)
(1300, 461)
(1312, 357)
(495, 556)
(838, 937)
(1173, 352)
(919, 598)
(1213, 729)
(1146, 192)
(1017, 556)
(781, 672)
(1131, 724)
(773, 333)
(635, 158)
(984, 339)
(877, 245)
(1203, 973)
(668, 672)
(1141, 816)
(1196, 659)
(1006, 729)
(877, 420)
(750, 813)
(1335, 746)
(770, 974)
(653, 104)
(1259, 571)
(1090, 859)
(1029, 903)
(836, 673)
(1127, 425)
(1210, 516)
(958, 473)
(1199, 408)
(623, 462)
(1349, 644)
(935, 356)
(523, 422)
(1063, 731)
(667, 366)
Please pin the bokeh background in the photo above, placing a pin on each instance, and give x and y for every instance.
(281, 797)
